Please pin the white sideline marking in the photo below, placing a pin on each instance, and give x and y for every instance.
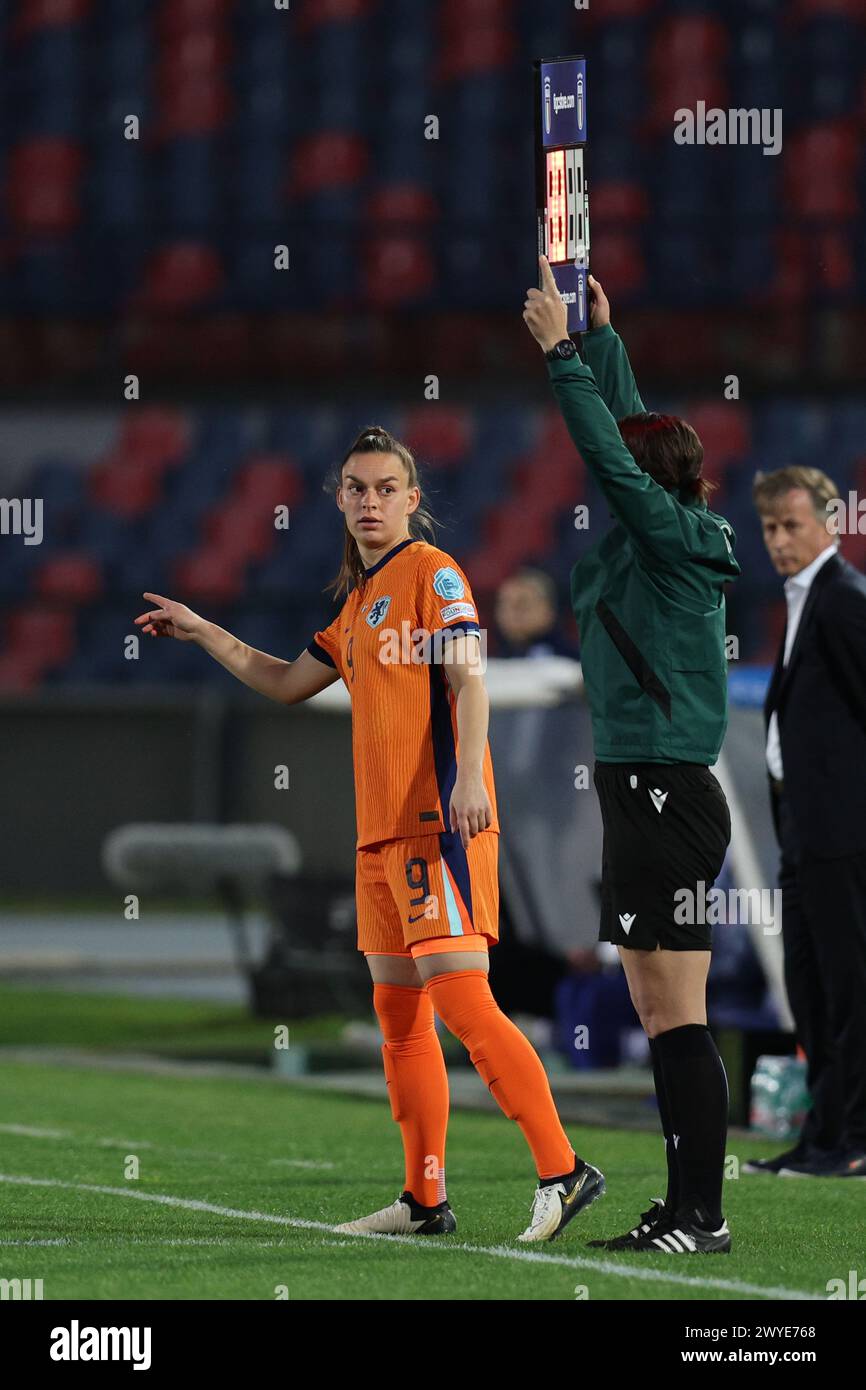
(302, 1163)
(500, 1252)
(29, 1132)
(28, 1244)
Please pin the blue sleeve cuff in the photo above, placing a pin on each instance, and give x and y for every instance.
(320, 654)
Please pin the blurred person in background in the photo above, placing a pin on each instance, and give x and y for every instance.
(815, 716)
(527, 618)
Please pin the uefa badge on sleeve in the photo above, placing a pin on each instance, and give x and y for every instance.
(448, 584)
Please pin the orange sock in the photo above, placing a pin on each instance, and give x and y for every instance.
(417, 1086)
(506, 1060)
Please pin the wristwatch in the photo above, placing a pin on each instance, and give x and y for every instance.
(564, 351)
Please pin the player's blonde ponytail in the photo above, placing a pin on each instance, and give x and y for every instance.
(375, 439)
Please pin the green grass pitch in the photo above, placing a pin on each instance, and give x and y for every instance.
(264, 1158)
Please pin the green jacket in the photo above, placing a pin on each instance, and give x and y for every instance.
(648, 597)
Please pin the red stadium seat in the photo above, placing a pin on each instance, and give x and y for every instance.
(47, 208)
(42, 185)
(19, 671)
(197, 108)
(488, 567)
(46, 14)
(619, 263)
(238, 534)
(439, 434)
(683, 42)
(314, 13)
(473, 51)
(396, 269)
(179, 16)
(476, 14)
(401, 202)
(723, 427)
(807, 9)
(45, 634)
(209, 574)
(194, 57)
(46, 157)
(619, 9)
(266, 481)
(154, 434)
(683, 88)
(327, 160)
(71, 578)
(835, 262)
(618, 200)
(180, 276)
(124, 488)
(794, 268)
(820, 172)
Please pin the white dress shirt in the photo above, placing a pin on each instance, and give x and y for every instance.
(796, 592)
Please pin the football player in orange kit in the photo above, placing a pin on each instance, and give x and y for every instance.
(407, 645)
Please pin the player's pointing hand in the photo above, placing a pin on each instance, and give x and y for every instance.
(170, 619)
(544, 312)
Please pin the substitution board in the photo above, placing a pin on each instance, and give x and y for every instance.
(562, 196)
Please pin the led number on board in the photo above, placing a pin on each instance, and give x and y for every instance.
(557, 210)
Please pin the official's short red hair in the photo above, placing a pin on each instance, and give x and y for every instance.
(669, 450)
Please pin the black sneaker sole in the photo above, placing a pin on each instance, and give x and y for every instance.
(618, 1242)
(716, 1245)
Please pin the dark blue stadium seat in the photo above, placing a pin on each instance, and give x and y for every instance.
(119, 189)
(265, 112)
(255, 282)
(315, 437)
(124, 59)
(50, 277)
(257, 185)
(117, 13)
(190, 177)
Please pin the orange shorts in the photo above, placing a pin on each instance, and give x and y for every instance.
(429, 886)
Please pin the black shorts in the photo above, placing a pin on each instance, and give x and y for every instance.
(666, 829)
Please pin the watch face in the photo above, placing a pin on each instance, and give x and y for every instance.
(566, 349)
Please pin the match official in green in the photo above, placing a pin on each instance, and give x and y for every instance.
(649, 603)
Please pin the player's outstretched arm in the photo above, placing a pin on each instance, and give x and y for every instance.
(289, 682)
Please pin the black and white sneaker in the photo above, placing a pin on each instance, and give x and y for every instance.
(557, 1203)
(688, 1231)
(404, 1217)
(648, 1221)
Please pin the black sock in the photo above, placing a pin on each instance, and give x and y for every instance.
(672, 1196)
(548, 1182)
(697, 1096)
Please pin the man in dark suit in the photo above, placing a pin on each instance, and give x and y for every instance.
(815, 715)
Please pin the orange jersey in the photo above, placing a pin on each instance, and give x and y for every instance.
(404, 721)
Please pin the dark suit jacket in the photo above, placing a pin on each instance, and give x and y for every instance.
(820, 699)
